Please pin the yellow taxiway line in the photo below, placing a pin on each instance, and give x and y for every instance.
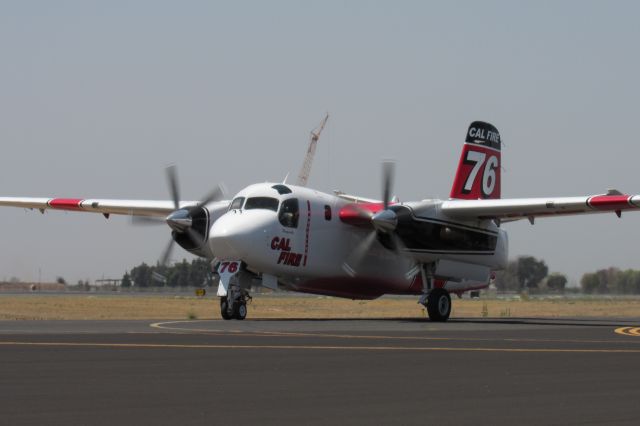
(310, 347)
(170, 326)
(628, 331)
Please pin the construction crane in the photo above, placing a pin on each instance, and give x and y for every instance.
(303, 177)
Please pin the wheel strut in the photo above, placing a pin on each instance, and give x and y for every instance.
(437, 301)
(234, 304)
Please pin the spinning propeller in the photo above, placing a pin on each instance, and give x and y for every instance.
(384, 224)
(181, 219)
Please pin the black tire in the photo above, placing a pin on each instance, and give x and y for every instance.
(224, 308)
(439, 305)
(240, 312)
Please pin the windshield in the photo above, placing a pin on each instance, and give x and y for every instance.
(237, 203)
(266, 203)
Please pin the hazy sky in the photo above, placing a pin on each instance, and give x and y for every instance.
(96, 98)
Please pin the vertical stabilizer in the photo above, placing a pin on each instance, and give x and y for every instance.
(478, 175)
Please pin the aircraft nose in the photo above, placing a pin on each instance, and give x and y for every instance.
(235, 234)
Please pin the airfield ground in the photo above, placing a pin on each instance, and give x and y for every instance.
(61, 306)
(497, 371)
(141, 359)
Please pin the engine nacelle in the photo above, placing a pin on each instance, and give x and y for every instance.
(195, 240)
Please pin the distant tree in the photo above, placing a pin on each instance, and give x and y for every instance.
(622, 282)
(531, 271)
(83, 285)
(160, 274)
(179, 274)
(611, 280)
(525, 272)
(632, 282)
(142, 275)
(589, 282)
(603, 281)
(604, 278)
(61, 280)
(507, 280)
(556, 282)
(200, 273)
(126, 280)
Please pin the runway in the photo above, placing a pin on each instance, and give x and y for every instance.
(268, 372)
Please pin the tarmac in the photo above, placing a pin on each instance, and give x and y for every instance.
(317, 372)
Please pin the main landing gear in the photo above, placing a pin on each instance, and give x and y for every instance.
(438, 304)
(436, 300)
(234, 304)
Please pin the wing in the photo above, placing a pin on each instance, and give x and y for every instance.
(355, 198)
(104, 206)
(530, 208)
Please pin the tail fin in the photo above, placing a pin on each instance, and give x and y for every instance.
(478, 174)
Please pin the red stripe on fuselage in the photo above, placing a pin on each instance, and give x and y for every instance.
(306, 238)
(65, 204)
(610, 202)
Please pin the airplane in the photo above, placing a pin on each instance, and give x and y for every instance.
(292, 237)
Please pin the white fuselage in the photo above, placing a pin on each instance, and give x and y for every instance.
(297, 236)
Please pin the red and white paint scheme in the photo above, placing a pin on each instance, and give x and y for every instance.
(291, 237)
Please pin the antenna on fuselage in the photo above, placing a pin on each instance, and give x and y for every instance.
(303, 177)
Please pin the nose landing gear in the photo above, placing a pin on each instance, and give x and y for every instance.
(234, 304)
(232, 289)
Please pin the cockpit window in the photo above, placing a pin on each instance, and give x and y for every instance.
(265, 203)
(236, 204)
(289, 213)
